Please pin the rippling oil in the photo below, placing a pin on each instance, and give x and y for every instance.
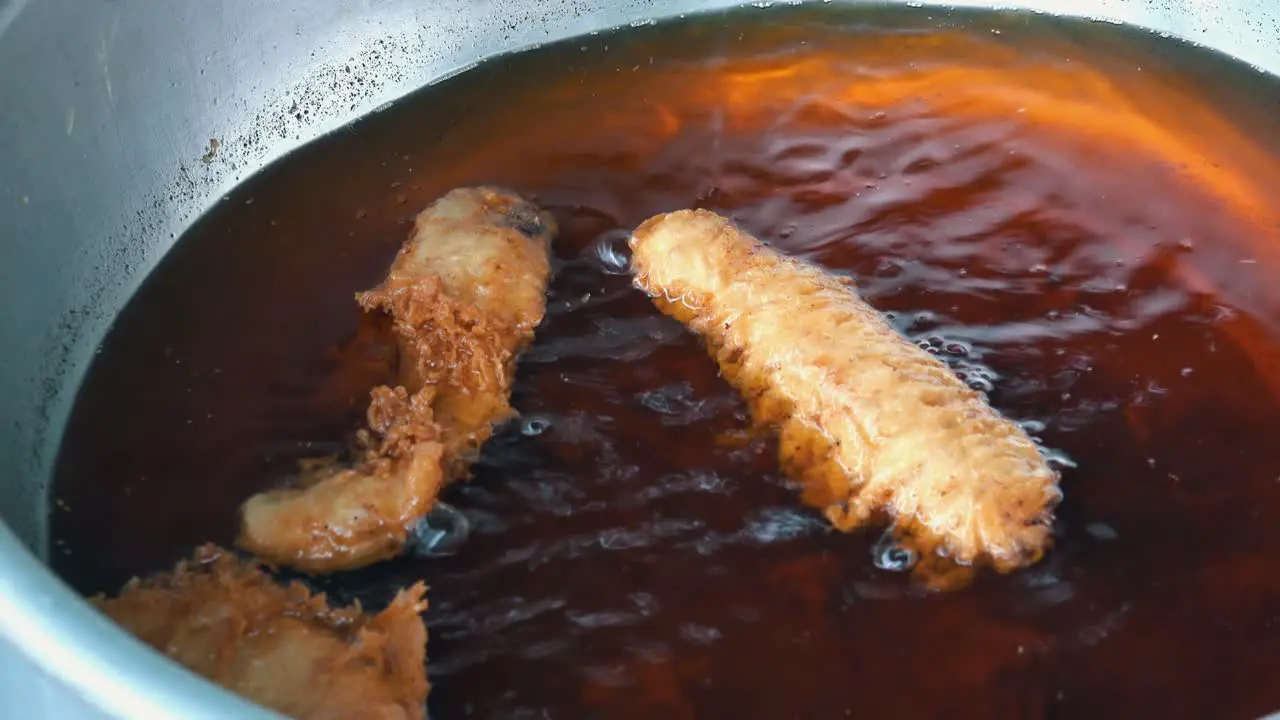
(1080, 218)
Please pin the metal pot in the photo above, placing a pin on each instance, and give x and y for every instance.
(107, 154)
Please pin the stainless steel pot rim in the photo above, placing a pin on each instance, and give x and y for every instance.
(55, 630)
(48, 621)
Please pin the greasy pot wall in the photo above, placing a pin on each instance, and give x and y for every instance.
(123, 120)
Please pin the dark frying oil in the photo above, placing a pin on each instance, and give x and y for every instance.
(1080, 218)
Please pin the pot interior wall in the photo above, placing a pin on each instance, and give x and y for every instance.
(124, 123)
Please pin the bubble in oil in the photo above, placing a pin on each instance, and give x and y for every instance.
(888, 555)
(534, 425)
(780, 525)
(442, 532)
(609, 253)
(667, 399)
(1101, 531)
(921, 321)
(699, 634)
(977, 377)
(1033, 427)
(1059, 460)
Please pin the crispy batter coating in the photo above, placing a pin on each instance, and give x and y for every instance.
(281, 646)
(338, 516)
(465, 295)
(869, 423)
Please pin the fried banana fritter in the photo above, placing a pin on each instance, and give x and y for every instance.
(281, 646)
(869, 423)
(465, 294)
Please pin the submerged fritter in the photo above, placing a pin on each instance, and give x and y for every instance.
(869, 423)
(278, 645)
(465, 295)
(337, 516)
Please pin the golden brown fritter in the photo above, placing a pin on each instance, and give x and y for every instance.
(278, 645)
(869, 422)
(338, 516)
(464, 294)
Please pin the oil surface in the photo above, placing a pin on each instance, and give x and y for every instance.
(1080, 218)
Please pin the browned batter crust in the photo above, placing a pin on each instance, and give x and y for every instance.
(870, 423)
(280, 645)
(465, 294)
